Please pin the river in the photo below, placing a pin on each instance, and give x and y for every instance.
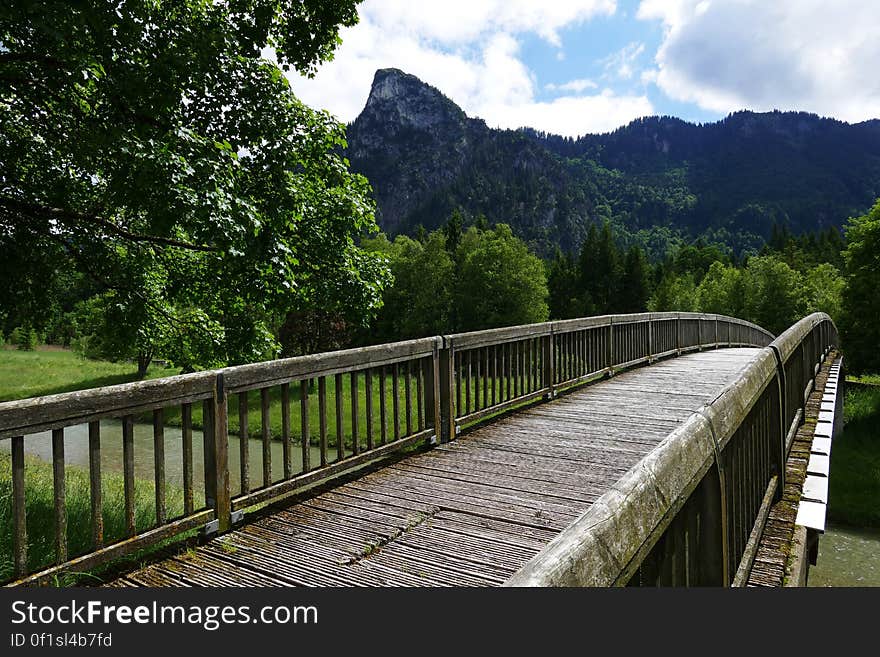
(848, 556)
(76, 453)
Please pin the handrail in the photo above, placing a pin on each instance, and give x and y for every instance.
(699, 465)
(332, 411)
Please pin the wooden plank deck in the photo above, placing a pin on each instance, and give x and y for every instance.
(466, 513)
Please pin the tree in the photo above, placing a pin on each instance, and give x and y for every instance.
(861, 301)
(774, 297)
(150, 147)
(823, 288)
(674, 293)
(418, 303)
(563, 287)
(499, 282)
(453, 231)
(722, 291)
(634, 284)
(600, 271)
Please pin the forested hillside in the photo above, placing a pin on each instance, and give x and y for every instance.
(655, 180)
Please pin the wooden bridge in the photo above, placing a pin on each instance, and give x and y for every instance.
(657, 448)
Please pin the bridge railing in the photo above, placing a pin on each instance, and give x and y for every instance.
(252, 434)
(487, 372)
(693, 510)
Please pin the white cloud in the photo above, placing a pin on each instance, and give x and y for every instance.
(622, 63)
(788, 54)
(470, 51)
(572, 85)
(461, 21)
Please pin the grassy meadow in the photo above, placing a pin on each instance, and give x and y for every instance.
(854, 495)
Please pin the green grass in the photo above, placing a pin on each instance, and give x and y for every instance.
(854, 495)
(46, 372)
(40, 513)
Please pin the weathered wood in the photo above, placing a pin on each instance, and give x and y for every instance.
(536, 470)
(128, 546)
(243, 443)
(286, 456)
(304, 424)
(266, 435)
(467, 382)
(355, 415)
(368, 397)
(128, 473)
(96, 507)
(187, 454)
(275, 372)
(322, 418)
(486, 374)
(60, 503)
(521, 373)
(37, 414)
(395, 398)
(209, 462)
(407, 388)
(383, 408)
(421, 423)
(220, 429)
(19, 522)
(340, 429)
(159, 464)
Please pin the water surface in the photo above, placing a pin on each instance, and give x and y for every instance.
(848, 556)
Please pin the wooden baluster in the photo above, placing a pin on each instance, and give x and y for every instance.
(97, 512)
(407, 388)
(187, 451)
(368, 396)
(19, 521)
(420, 415)
(355, 415)
(467, 382)
(395, 399)
(383, 408)
(304, 425)
(266, 436)
(322, 417)
(494, 373)
(159, 464)
(340, 429)
(286, 456)
(243, 443)
(59, 494)
(128, 472)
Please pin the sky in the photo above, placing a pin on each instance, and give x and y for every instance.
(573, 67)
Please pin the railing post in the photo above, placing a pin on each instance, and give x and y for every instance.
(650, 340)
(431, 376)
(611, 344)
(783, 419)
(215, 422)
(716, 331)
(446, 386)
(549, 371)
(678, 334)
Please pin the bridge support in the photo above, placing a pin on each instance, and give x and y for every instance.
(216, 442)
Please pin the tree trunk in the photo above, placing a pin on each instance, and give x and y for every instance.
(143, 363)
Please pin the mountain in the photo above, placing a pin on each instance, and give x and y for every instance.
(654, 178)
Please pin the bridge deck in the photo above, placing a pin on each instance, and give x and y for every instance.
(471, 512)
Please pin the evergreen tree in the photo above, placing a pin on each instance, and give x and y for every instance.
(634, 288)
(562, 283)
(453, 231)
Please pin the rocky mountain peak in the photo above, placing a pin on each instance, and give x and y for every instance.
(408, 102)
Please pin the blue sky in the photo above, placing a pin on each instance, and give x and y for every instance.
(577, 66)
